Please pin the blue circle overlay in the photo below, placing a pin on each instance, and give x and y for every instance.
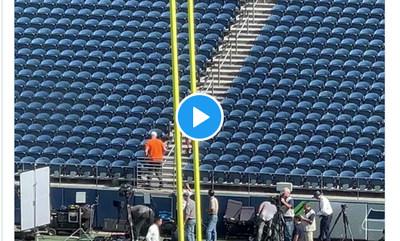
(209, 127)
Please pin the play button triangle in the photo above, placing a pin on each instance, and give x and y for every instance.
(198, 117)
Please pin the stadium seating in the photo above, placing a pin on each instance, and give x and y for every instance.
(95, 77)
(317, 104)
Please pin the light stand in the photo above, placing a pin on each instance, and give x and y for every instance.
(346, 224)
(91, 217)
(129, 217)
(80, 199)
(80, 229)
(36, 230)
(118, 205)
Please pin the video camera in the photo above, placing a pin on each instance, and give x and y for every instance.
(125, 190)
(344, 206)
(277, 200)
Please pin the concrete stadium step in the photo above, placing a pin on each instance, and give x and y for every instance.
(237, 44)
(224, 68)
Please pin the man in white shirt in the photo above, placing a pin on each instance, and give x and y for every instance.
(153, 234)
(325, 214)
(213, 217)
(266, 212)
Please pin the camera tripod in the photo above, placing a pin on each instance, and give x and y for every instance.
(346, 224)
(129, 233)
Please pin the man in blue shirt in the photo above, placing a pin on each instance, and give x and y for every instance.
(298, 231)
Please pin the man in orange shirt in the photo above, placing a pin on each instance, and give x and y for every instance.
(155, 149)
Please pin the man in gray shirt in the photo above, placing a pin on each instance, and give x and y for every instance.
(190, 217)
(266, 212)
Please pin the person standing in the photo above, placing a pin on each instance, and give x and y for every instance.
(298, 231)
(153, 234)
(190, 217)
(188, 191)
(213, 217)
(266, 212)
(155, 149)
(309, 222)
(325, 214)
(288, 213)
(188, 143)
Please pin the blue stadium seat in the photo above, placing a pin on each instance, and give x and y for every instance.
(380, 167)
(288, 162)
(313, 176)
(374, 155)
(297, 176)
(377, 180)
(250, 175)
(351, 165)
(266, 175)
(221, 173)
(236, 174)
(226, 159)
(335, 165)
(343, 119)
(362, 179)
(282, 174)
(367, 166)
(329, 178)
(242, 160)
(378, 143)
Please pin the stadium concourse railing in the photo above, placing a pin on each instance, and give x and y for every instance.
(228, 48)
(135, 173)
(138, 173)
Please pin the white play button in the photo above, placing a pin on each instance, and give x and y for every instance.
(195, 124)
(198, 117)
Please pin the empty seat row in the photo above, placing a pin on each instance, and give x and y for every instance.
(293, 161)
(253, 175)
(74, 168)
(356, 4)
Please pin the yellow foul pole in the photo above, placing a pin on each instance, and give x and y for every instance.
(193, 79)
(178, 142)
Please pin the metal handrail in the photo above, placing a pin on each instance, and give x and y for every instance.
(170, 152)
(244, 17)
(211, 84)
(230, 49)
(254, 6)
(222, 63)
(245, 21)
